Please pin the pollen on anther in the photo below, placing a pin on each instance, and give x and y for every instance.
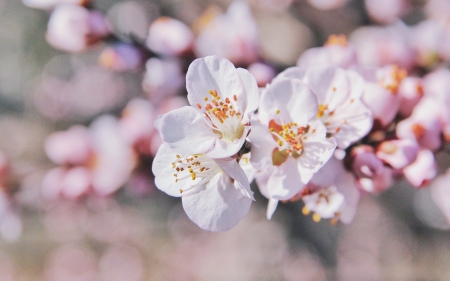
(178, 156)
(227, 100)
(280, 142)
(278, 111)
(334, 89)
(181, 190)
(199, 106)
(205, 98)
(235, 97)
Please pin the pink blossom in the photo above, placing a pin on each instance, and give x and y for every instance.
(103, 164)
(121, 57)
(69, 147)
(411, 91)
(386, 11)
(372, 175)
(398, 153)
(163, 78)
(381, 93)
(73, 28)
(336, 52)
(332, 193)
(423, 125)
(438, 9)
(169, 37)
(437, 87)
(263, 73)
(233, 35)
(381, 46)
(431, 42)
(440, 190)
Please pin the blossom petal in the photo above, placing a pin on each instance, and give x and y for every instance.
(330, 85)
(231, 167)
(317, 149)
(219, 74)
(352, 121)
(166, 178)
(218, 207)
(271, 207)
(286, 180)
(252, 93)
(185, 131)
(288, 100)
(262, 145)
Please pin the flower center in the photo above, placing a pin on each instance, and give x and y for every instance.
(197, 168)
(336, 40)
(226, 120)
(289, 139)
(392, 81)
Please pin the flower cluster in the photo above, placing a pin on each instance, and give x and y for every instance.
(348, 120)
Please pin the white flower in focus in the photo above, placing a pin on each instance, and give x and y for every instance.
(215, 192)
(338, 93)
(222, 100)
(288, 145)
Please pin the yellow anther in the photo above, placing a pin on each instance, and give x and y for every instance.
(305, 211)
(316, 217)
(278, 111)
(205, 98)
(280, 143)
(178, 156)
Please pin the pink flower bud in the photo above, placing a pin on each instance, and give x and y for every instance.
(169, 37)
(263, 73)
(73, 28)
(121, 57)
(398, 153)
(372, 175)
